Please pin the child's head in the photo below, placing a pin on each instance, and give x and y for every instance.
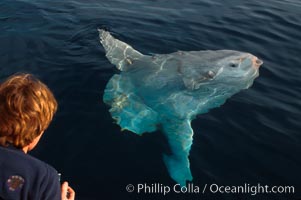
(27, 107)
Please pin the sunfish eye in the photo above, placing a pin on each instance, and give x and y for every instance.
(233, 65)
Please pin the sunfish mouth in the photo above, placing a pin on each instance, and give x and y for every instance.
(257, 62)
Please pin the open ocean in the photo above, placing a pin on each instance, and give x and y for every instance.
(254, 138)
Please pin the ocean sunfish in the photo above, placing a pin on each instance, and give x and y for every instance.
(167, 91)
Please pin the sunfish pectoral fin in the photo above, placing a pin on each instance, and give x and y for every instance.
(179, 135)
(194, 83)
(119, 53)
(127, 109)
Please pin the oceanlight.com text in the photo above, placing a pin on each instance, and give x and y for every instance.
(251, 189)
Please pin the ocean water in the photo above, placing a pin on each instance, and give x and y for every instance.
(254, 138)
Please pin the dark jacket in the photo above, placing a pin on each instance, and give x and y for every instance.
(23, 177)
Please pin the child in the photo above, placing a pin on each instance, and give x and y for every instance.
(27, 107)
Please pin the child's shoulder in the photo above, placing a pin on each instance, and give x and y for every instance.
(16, 160)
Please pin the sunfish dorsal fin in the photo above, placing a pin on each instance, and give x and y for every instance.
(119, 53)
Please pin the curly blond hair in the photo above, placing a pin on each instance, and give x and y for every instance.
(27, 107)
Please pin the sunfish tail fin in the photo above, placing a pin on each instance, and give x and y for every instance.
(119, 53)
(128, 109)
(179, 135)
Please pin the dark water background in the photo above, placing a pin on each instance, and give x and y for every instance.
(254, 138)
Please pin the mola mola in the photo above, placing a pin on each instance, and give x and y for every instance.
(167, 91)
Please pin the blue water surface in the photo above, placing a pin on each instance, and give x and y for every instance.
(254, 138)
